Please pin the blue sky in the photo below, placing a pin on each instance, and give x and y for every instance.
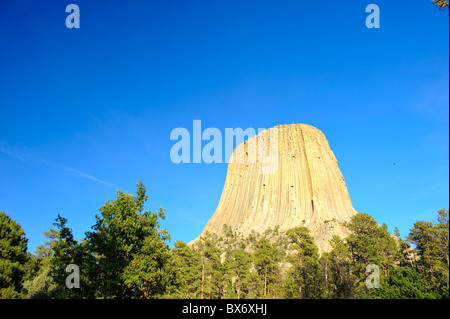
(84, 112)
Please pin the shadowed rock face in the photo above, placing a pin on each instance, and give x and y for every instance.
(295, 182)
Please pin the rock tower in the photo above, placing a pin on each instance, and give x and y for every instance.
(286, 176)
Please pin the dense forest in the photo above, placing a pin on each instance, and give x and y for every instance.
(127, 255)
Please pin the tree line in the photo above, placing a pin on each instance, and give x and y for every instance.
(127, 255)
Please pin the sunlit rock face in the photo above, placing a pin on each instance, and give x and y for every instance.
(285, 176)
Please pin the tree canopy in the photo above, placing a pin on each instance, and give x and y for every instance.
(126, 254)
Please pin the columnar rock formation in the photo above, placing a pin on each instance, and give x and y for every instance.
(286, 176)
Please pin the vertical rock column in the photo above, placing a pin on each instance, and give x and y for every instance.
(306, 188)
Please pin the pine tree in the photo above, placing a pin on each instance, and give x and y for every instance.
(401, 283)
(431, 244)
(68, 251)
(370, 243)
(305, 278)
(441, 4)
(443, 231)
(188, 263)
(342, 278)
(396, 232)
(240, 263)
(13, 253)
(132, 257)
(267, 257)
(212, 269)
(39, 283)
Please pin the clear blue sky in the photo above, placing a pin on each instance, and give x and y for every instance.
(84, 112)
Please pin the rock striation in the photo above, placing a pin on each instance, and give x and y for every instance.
(285, 176)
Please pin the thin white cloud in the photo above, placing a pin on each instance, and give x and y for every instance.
(194, 220)
(24, 155)
(81, 174)
(428, 190)
(6, 150)
(431, 100)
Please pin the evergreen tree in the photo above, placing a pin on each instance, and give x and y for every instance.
(132, 257)
(441, 4)
(266, 262)
(188, 263)
(39, 283)
(212, 268)
(342, 278)
(325, 271)
(442, 234)
(13, 256)
(240, 263)
(431, 244)
(396, 232)
(408, 256)
(401, 283)
(68, 251)
(370, 243)
(237, 263)
(305, 278)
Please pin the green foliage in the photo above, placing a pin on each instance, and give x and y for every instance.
(240, 263)
(400, 283)
(341, 276)
(132, 259)
(431, 245)
(305, 277)
(213, 270)
(68, 251)
(369, 243)
(13, 256)
(267, 257)
(43, 286)
(126, 256)
(39, 283)
(188, 263)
